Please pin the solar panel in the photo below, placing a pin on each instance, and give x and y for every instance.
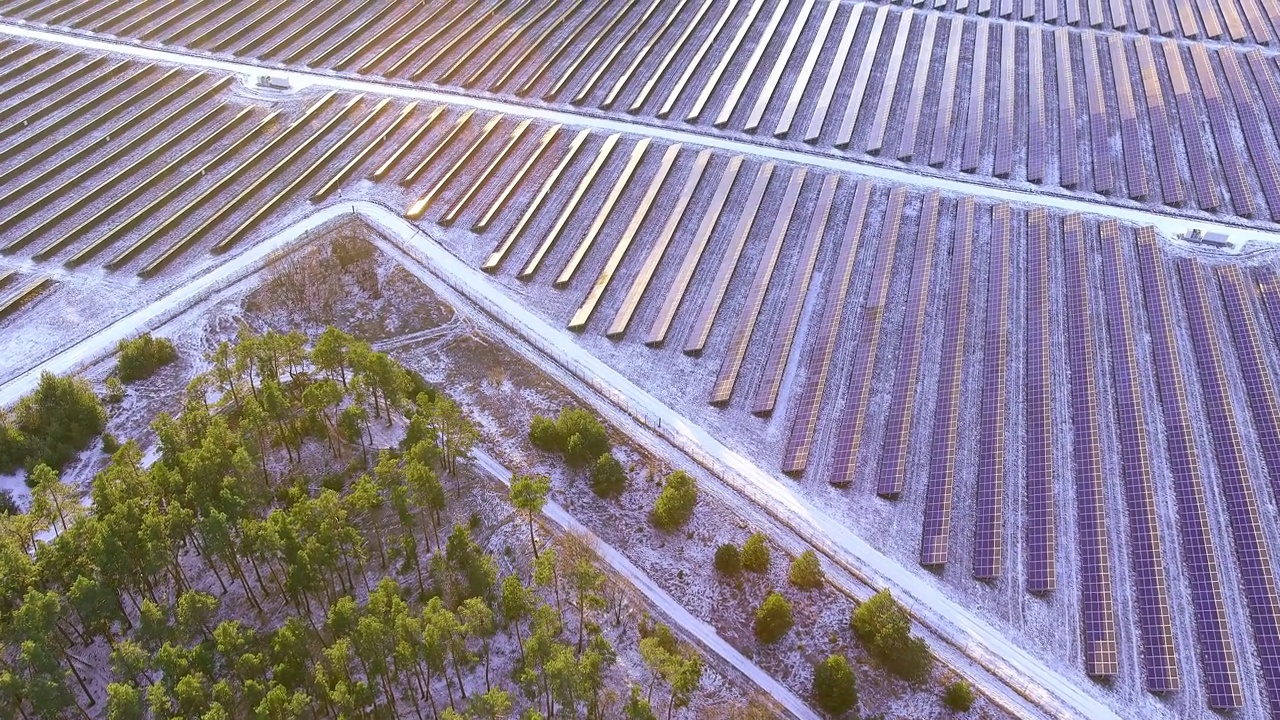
(801, 84)
(1096, 601)
(1095, 13)
(848, 441)
(583, 52)
(780, 64)
(640, 283)
(1202, 175)
(680, 284)
(120, 227)
(504, 246)
(1269, 291)
(851, 110)
(920, 84)
(1141, 20)
(202, 199)
(1100, 134)
(1232, 165)
(1172, 191)
(602, 215)
(892, 476)
(463, 32)
(1118, 18)
(490, 168)
(675, 49)
(834, 73)
(588, 306)
(1235, 28)
(1037, 143)
(1008, 122)
(1200, 557)
(744, 77)
(517, 39)
(784, 332)
(104, 189)
(1268, 86)
(1130, 137)
(1253, 553)
(935, 532)
(569, 41)
(1041, 517)
(1264, 163)
(1164, 16)
(584, 183)
(818, 366)
(988, 521)
(1073, 12)
(415, 211)
(1068, 157)
(158, 132)
(342, 174)
(618, 45)
(1212, 28)
(1146, 552)
(889, 87)
(689, 67)
(697, 337)
(946, 101)
(439, 147)
(713, 80)
(727, 376)
(1257, 24)
(1259, 381)
(976, 119)
(645, 52)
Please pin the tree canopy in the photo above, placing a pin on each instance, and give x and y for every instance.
(51, 425)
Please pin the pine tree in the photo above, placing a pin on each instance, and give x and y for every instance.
(755, 553)
(806, 571)
(835, 688)
(773, 618)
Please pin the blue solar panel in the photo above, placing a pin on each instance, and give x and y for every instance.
(988, 533)
(1200, 557)
(1041, 526)
(936, 532)
(1096, 601)
(1253, 554)
(1146, 550)
(893, 459)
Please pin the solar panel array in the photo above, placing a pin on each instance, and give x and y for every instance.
(1041, 516)
(1200, 556)
(1145, 546)
(892, 476)
(1096, 594)
(1253, 552)
(860, 74)
(988, 525)
(935, 534)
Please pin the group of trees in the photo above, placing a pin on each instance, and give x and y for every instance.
(139, 358)
(582, 440)
(51, 425)
(225, 581)
(884, 627)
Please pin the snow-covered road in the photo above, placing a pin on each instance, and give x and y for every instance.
(704, 634)
(1055, 694)
(988, 188)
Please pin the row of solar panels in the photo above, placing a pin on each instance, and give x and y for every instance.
(1253, 21)
(896, 84)
(1093, 309)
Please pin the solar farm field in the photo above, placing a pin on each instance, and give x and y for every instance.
(919, 263)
